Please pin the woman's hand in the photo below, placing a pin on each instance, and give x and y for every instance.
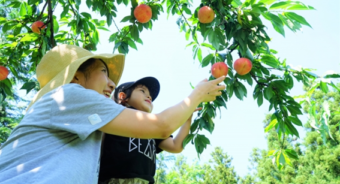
(208, 90)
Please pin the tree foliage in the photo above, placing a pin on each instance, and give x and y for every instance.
(237, 31)
(319, 153)
(218, 171)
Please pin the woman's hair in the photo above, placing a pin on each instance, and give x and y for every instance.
(84, 68)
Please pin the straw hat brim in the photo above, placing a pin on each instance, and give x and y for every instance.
(114, 62)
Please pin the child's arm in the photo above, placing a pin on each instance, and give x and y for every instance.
(174, 145)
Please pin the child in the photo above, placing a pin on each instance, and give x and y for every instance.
(131, 160)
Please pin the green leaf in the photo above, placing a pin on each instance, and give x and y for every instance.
(323, 86)
(236, 3)
(240, 90)
(332, 76)
(287, 160)
(291, 153)
(125, 19)
(86, 15)
(134, 3)
(64, 12)
(298, 18)
(113, 37)
(199, 55)
(187, 34)
(276, 22)
(268, 93)
(55, 25)
(260, 99)
(194, 125)
(95, 37)
(270, 60)
(219, 102)
(292, 128)
(132, 44)
(31, 2)
(126, 2)
(300, 6)
(271, 125)
(134, 32)
(207, 124)
(271, 153)
(198, 145)
(280, 160)
(187, 139)
(280, 5)
(212, 37)
(208, 46)
(29, 37)
(23, 9)
(123, 48)
(207, 60)
(293, 110)
(28, 86)
(203, 139)
(268, 2)
(295, 120)
(186, 10)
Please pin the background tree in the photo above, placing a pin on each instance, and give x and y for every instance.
(319, 153)
(218, 171)
(236, 31)
(10, 108)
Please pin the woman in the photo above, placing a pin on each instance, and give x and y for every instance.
(57, 140)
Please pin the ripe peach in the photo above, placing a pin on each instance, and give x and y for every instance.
(206, 14)
(219, 69)
(37, 26)
(142, 13)
(3, 73)
(243, 66)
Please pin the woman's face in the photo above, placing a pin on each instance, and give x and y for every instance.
(97, 79)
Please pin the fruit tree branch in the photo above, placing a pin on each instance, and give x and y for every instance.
(42, 11)
(181, 10)
(254, 77)
(50, 17)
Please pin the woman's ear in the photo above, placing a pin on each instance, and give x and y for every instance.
(77, 77)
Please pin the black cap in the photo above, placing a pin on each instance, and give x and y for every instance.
(150, 82)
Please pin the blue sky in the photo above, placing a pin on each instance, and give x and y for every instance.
(240, 128)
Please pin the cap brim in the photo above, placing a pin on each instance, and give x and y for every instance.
(114, 62)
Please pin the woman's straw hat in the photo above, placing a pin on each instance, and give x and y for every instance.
(59, 65)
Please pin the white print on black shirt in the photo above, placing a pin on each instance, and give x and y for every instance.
(149, 150)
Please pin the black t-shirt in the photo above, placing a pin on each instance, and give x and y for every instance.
(125, 157)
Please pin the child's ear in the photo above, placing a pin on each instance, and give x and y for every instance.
(121, 96)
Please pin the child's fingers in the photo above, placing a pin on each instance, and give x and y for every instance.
(198, 109)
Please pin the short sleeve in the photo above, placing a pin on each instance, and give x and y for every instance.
(158, 141)
(81, 111)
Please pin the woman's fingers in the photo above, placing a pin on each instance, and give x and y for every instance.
(218, 80)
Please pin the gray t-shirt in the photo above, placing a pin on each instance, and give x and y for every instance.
(58, 139)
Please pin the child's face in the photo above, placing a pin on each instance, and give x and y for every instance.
(141, 99)
(97, 79)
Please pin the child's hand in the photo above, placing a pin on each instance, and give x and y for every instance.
(197, 109)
